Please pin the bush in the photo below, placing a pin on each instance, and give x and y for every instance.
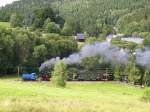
(71, 73)
(146, 79)
(59, 75)
(146, 95)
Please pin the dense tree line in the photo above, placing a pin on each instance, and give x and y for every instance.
(24, 8)
(20, 47)
(91, 16)
(97, 15)
(136, 22)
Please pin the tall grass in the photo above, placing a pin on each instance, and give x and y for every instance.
(17, 96)
(68, 105)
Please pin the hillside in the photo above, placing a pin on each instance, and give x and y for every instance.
(136, 22)
(92, 17)
(24, 8)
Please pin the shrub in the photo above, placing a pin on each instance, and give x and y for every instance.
(146, 78)
(146, 95)
(59, 75)
(71, 73)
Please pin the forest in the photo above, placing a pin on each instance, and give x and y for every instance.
(96, 17)
(43, 29)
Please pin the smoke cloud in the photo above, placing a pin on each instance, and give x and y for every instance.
(104, 49)
(143, 57)
(133, 39)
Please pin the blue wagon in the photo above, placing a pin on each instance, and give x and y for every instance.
(30, 77)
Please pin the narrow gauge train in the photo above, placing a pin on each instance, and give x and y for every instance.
(96, 75)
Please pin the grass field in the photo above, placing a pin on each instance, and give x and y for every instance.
(17, 96)
(4, 25)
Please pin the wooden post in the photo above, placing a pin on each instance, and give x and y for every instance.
(18, 70)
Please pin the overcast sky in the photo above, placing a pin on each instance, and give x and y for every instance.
(4, 2)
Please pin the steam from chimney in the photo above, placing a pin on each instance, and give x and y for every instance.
(136, 40)
(143, 57)
(104, 49)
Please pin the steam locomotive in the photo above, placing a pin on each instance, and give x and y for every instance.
(96, 75)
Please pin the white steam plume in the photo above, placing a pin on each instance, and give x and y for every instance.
(143, 57)
(98, 48)
(133, 39)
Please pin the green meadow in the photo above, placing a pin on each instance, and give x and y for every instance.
(4, 25)
(18, 96)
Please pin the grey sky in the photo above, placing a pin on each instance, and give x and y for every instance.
(4, 2)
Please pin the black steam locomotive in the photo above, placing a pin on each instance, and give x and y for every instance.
(96, 75)
(79, 74)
